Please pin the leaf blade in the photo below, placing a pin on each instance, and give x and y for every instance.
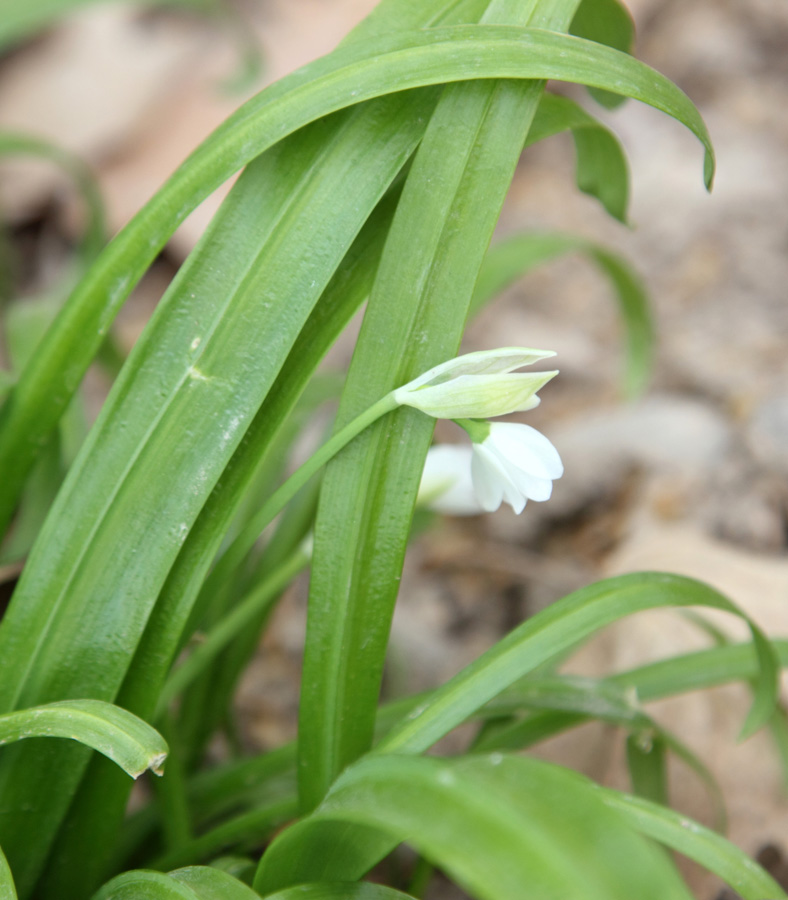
(122, 737)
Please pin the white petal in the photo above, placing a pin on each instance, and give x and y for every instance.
(486, 479)
(492, 481)
(446, 485)
(527, 448)
(532, 487)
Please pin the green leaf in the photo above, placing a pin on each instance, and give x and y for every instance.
(502, 827)
(242, 832)
(7, 889)
(126, 740)
(6, 383)
(245, 611)
(675, 675)
(607, 22)
(699, 670)
(239, 867)
(353, 73)
(690, 839)
(217, 794)
(444, 222)
(646, 761)
(289, 167)
(558, 628)
(581, 699)
(201, 369)
(192, 883)
(339, 890)
(24, 324)
(513, 257)
(602, 169)
(14, 144)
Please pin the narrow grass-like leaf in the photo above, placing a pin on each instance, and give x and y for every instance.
(192, 883)
(128, 741)
(222, 793)
(346, 290)
(707, 848)
(582, 699)
(675, 675)
(356, 72)
(212, 884)
(21, 19)
(503, 827)
(699, 670)
(647, 764)
(340, 890)
(250, 829)
(166, 630)
(512, 257)
(24, 324)
(440, 232)
(14, 144)
(602, 169)
(7, 889)
(171, 424)
(240, 867)
(558, 628)
(608, 22)
(231, 626)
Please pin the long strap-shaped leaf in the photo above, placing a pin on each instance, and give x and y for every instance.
(222, 253)
(319, 157)
(175, 418)
(514, 256)
(605, 702)
(350, 75)
(7, 889)
(128, 741)
(602, 169)
(248, 830)
(675, 675)
(506, 828)
(558, 628)
(342, 890)
(343, 296)
(173, 422)
(700, 844)
(417, 310)
(14, 144)
(192, 883)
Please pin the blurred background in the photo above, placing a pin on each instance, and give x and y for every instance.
(692, 477)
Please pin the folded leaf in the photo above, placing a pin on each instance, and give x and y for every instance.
(119, 735)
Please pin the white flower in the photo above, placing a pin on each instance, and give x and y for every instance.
(515, 463)
(478, 385)
(446, 485)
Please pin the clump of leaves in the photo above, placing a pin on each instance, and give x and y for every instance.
(376, 175)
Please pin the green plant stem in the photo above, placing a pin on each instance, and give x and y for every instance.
(236, 552)
(253, 826)
(171, 794)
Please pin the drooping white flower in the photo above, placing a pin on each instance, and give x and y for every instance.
(478, 385)
(446, 485)
(514, 463)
